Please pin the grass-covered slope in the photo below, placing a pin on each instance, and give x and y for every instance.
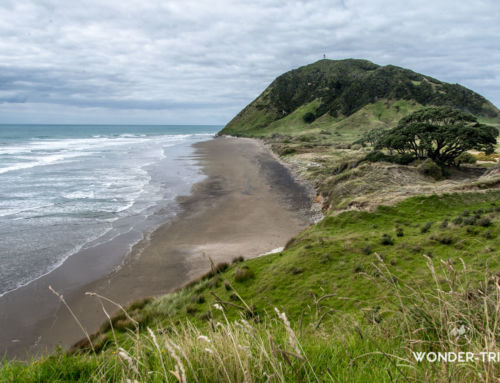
(335, 89)
(361, 291)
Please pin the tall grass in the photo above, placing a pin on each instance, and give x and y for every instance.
(452, 314)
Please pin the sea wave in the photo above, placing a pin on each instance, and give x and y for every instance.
(54, 193)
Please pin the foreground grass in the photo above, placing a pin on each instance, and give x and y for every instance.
(362, 291)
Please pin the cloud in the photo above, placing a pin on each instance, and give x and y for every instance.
(196, 61)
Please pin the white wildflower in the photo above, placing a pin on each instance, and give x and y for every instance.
(180, 372)
(292, 339)
(209, 350)
(152, 334)
(218, 307)
(126, 357)
(204, 338)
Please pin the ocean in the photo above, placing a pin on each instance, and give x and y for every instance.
(67, 188)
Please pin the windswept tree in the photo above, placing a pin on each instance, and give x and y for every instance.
(439, 133)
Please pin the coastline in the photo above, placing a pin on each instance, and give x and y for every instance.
(248, 204)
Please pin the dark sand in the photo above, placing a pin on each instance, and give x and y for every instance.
(249, 204)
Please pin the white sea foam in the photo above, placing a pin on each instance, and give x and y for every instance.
(77, 186)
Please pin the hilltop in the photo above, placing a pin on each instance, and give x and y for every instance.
(354, 92)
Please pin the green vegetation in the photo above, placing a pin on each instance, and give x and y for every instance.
(340, 89)
(349, 315)
(440, 134)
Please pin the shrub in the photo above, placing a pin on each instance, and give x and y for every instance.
(472, 230)
(377, 156)
(444, 224)
(399, 232)
(465, 158)
(484, 222)
(238, 259)
(457, 221)
(358, 269)
(404, 159)
(308, 117)
(431, 169)
(489, 235)
(287, 151)
(191, 309)
(199, 299)
(220, 267)
(470, 221)
(426, 227)
(443, 239)
(367, 250)
(356, 147)
(243, 274)
(295, 270)
(386, 240)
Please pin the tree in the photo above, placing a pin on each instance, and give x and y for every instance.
(371, 137)
(309, 117)
(439, 133)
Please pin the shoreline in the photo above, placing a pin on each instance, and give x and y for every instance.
(248, 204)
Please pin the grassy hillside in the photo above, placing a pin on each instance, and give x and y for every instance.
(360, 291)
(336, 90)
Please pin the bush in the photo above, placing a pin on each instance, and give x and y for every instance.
(387, 240)
(220, 267)
(243, 274)
(238, 259)
(426, 227)
(191, 309)
(431, 169)
(309, 117)
(287, 150)
(400, 232)
(484, 222)
(443, 239)
(358, 269)
(367, 250)
(200, 299)
(465, 158)
(356, 147)
(470, 221)
(377, 156)
(404, 159)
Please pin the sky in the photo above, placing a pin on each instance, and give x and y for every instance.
(201, 62)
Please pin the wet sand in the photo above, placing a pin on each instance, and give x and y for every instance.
(248, 204)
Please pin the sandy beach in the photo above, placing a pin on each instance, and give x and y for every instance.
(247, 205)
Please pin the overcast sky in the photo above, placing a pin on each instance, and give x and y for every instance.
(201, 62)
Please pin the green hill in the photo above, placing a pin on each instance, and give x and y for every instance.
(335, 90)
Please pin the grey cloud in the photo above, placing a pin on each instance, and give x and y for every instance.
(212, 58)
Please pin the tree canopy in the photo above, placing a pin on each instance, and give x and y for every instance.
(439, 133)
